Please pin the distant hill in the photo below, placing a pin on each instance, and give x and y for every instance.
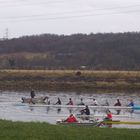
(109, 51)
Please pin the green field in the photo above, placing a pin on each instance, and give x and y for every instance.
(43, 131)
(69, 80)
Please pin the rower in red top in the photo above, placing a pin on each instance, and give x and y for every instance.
(71, 119)
(107, 118)
(70, 102)
(109, 115)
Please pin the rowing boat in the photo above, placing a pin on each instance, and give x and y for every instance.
(42, 100)
(87, 123)
(98, 123)
(79, 123)
(93, 116)
(83, 123)
(81, 106)
(34, 100)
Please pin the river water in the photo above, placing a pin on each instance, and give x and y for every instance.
(11, 107)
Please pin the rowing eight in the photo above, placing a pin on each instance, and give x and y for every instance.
(79, 106)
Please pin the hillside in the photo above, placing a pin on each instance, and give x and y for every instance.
(109, 51)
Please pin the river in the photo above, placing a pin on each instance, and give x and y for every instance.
(12, 109)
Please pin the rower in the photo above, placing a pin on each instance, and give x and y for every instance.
(58, 102)
(95, 103)
(106, 103)
(85, 111)
(118, 103)
(32, 94)
(109, 116)
(131, 104)
(81, 102)
(71, 119)
(47, 101)
(70, 102)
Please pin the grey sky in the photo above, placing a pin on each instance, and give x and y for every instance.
(27, 17)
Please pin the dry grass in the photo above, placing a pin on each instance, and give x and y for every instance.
(67, 79)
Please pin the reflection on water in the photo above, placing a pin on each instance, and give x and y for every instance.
(11, 109)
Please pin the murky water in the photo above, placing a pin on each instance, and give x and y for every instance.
(12, 109)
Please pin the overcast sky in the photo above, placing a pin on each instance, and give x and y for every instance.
(29, 17)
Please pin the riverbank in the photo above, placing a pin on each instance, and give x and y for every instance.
(40, 131)
(69, 80)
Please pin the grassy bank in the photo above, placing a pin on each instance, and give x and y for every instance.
(43, 131)
(68, 80)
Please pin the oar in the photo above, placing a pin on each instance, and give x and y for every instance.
(121, 122)
(92, 115)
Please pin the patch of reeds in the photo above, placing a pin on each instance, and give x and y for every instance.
(68, 79)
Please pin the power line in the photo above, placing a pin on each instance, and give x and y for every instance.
(69, 17)
(4, 4)
(69, 12)
(23, 3)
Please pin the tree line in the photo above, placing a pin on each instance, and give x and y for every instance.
(102, 51)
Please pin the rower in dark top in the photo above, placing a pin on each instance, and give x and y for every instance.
(58, 102)
(118, 104)
(85, 111)
(32, 94)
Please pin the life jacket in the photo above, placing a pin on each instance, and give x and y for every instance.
(109, 116)
(71, 119)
